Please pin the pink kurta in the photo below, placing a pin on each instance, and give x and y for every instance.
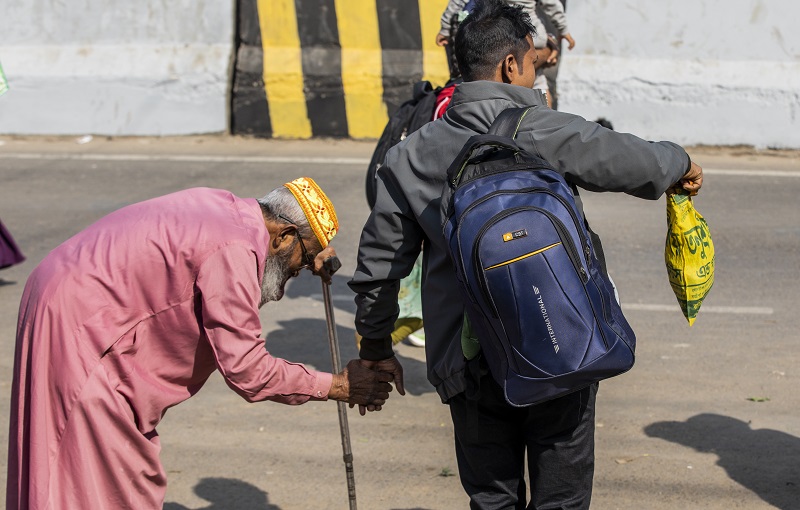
(123, 321)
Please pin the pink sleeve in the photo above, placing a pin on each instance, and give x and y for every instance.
(229, 297)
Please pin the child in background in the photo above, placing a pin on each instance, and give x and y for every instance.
(546, 44)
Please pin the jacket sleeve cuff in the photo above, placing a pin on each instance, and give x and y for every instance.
(685, 171)
(376, 349)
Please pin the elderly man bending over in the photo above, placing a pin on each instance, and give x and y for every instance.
(131, 316)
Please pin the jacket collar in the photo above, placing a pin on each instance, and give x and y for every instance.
(482, 90)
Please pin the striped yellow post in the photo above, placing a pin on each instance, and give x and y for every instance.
(434, 59)
(361, 67)
(283, 69)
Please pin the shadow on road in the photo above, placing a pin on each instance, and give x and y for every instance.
(308, 285)
(765, 461)
(228, 494)
(306, 341)
(415, 376)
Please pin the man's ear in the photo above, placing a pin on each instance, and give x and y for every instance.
(509, 69)
(284, 236)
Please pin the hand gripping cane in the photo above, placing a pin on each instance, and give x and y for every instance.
(332, 264)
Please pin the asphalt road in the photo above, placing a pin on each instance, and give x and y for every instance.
(708, 418)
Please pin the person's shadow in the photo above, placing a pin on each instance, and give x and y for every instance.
(765, 461)
(306, 340)
(228, 494)
(310, 286)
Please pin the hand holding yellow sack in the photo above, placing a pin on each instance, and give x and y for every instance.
(689, 254)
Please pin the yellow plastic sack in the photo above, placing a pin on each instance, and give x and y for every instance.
(689, 254)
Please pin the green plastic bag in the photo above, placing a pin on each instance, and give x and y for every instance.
(689, 254)
(3, 81)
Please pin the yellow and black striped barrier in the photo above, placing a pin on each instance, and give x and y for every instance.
(330, 68)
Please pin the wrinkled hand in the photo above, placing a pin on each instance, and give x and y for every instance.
(320, 269)
(569, 39)
(692, 181)
(360, 385)
(390, 366)
(441, 40)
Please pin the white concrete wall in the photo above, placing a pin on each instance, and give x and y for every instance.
(692, 71)
(721, 72)
(143, 67)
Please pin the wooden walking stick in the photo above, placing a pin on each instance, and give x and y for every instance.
(332, 264)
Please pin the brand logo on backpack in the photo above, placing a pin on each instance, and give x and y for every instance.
(546, 318)
(510, 236)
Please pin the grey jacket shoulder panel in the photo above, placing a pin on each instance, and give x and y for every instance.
(529, 6)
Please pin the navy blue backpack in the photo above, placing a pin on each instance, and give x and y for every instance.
(536, 296)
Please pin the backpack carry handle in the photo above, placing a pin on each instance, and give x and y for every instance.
(473, 144)
(501, 133)
(420, 89)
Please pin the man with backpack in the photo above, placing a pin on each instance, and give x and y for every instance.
(496, 56)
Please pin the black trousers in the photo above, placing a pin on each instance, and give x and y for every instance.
(492, 438)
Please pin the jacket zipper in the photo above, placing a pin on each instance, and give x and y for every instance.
(572, 251)
(537, 189)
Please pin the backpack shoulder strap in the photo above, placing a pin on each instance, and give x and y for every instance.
(507, 123)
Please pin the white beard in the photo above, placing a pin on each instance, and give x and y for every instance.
(276, 274)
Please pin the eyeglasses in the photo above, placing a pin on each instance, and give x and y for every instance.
(309, 262)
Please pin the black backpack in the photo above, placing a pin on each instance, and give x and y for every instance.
(410, 116)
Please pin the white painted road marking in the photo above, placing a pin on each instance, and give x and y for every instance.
(185, 158)
(193, 158)
(363, 161)
(752, 173)
(639, 307)
(335, 297)
(736, 310)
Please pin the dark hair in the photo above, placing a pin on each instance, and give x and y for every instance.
(491, 31)
(605, 123)
(455, 72)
